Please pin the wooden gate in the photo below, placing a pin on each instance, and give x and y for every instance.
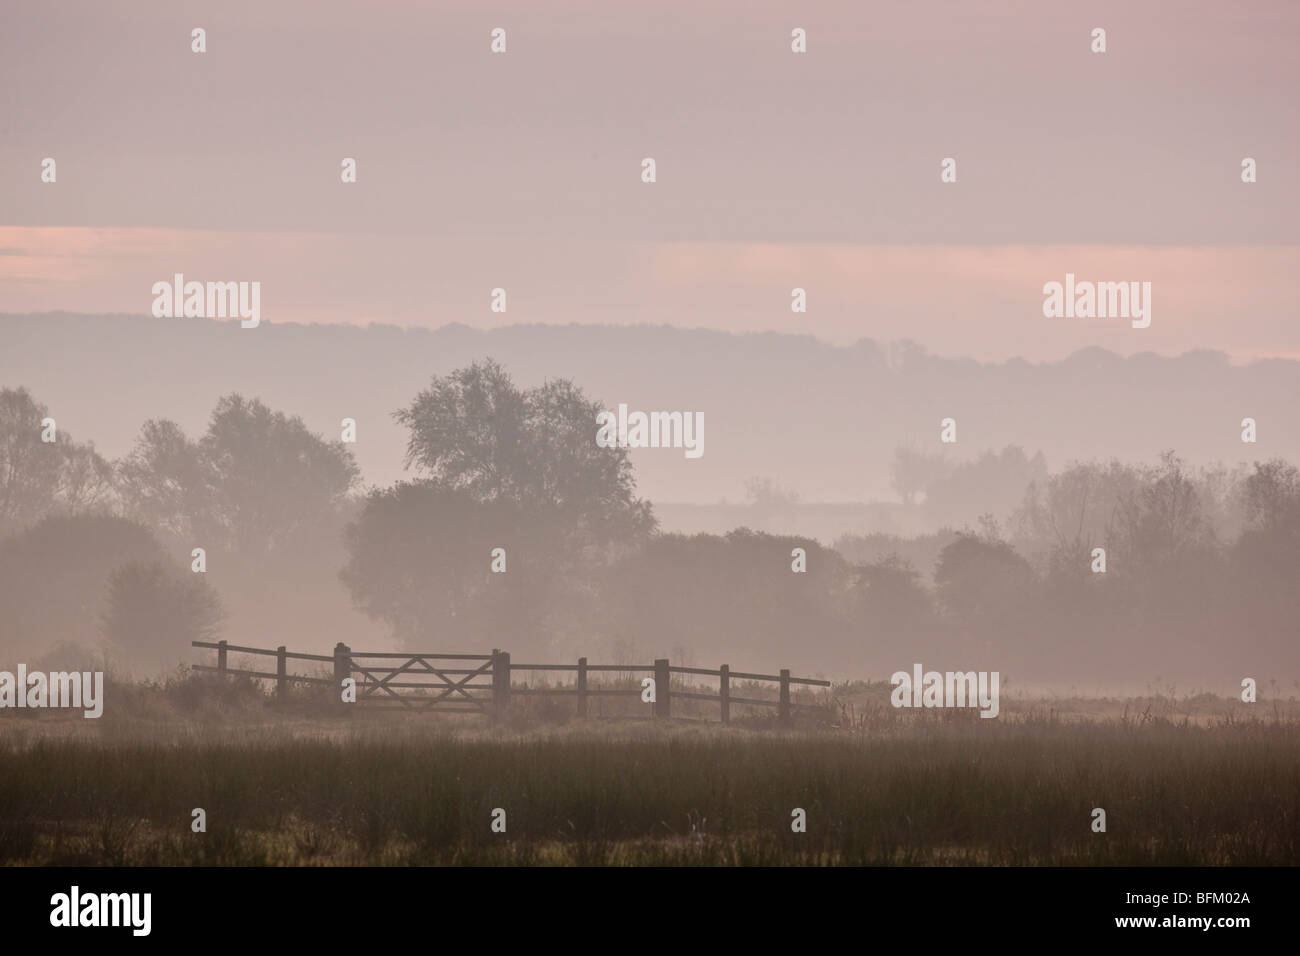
(481, 683)
(384, 681)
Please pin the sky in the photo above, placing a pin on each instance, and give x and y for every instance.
(775, 170)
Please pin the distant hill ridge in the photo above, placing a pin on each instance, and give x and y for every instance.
(820, 419)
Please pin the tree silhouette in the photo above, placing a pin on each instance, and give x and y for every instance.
(419, 559)
(474, 430)
(155, 610)
(254, 478)
(39, 478)
(54, 577)
(985, 590)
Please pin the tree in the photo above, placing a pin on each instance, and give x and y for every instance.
(1264, 590)
(259, 487)
(994, 482)
(86, 478)
(502, 468)
(1065, 515)
(912, 472)
(1271, 496)
(1269, 549)
(985, 589)
(155, 610)
(254, 479)
(29, 468)
(165, 483)
(419, 559)
(733, 595)
(54, 577)
(39, 478)
(768, 500)
(894, 608)
(1162, 517)
(767, 494)
(476, 431)
(271, 475)
(499, 467)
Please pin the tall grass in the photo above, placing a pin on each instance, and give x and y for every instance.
(411, 792)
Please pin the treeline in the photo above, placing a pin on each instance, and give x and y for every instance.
(515, 530)
(98, 558)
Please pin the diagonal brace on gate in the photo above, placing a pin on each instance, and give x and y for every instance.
(452, 687)
(457, 687)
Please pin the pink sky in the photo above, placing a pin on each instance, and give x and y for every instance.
(982, 301)
(776, 170)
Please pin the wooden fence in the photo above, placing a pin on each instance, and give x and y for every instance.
(482, 683)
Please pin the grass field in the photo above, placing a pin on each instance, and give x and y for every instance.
(1181, 783)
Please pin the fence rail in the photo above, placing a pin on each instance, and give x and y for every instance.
(456, 689)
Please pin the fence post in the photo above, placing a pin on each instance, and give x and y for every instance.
(784, 711)
(281, 671)
(342, 670)
(500, 683)
(582, 687)
(221, 658)
(724, 692)
(663, 698)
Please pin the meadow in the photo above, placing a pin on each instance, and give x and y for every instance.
(1196, 781)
